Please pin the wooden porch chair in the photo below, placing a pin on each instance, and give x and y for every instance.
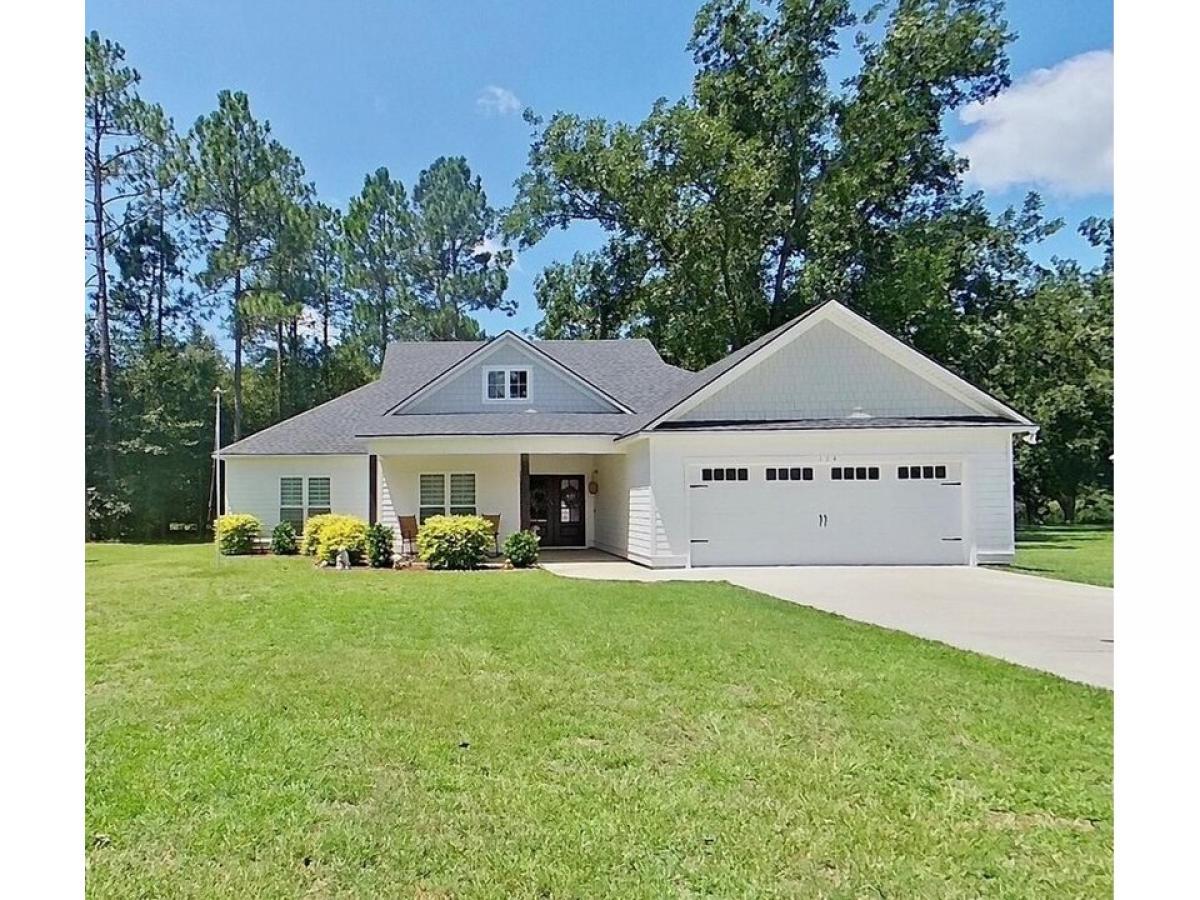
(494, 521)
(408, 535)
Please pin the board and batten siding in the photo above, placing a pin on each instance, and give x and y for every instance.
(252, 483)
(549, 389)
(826, 373)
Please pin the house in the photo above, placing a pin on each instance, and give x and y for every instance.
(826, 441)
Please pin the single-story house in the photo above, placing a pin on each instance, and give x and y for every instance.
(825, 441)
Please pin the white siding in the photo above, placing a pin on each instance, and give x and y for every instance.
(625, 513)
(497, 485)
(827, 373)
(549, 389)
(984, 453)
(252, 483)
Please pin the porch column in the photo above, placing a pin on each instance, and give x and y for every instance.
(524, 491)
(372, 489)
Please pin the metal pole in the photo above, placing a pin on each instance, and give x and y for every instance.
(217, 478)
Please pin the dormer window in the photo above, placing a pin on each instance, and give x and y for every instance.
(504, 383)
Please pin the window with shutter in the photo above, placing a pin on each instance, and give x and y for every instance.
(433, 496)
(291, 501)
(462, 494)
(318, 496)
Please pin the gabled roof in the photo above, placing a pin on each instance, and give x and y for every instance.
(484, 351)
(628, 372)
(726, 370)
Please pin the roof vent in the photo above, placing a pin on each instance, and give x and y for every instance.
(859, 414)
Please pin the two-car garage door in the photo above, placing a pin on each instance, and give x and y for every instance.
(848, 512)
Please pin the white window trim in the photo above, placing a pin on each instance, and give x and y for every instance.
(506, 370)
(306, 506)
(446, 505)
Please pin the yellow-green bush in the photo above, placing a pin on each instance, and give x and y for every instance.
(454, 542)
(324, 536)
(311, 535)
(236, 533)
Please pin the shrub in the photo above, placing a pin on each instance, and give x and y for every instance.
(312, 532)
(454, 542)
(342, 533)
(236, 533)
(380, 539)
(521, 548)
(283, 539)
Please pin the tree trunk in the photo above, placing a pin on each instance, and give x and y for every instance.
(237, 355)
(324, 326)
(106, 364)
(383, 331)
(1066, 502)
(161, 285)
(279, 370)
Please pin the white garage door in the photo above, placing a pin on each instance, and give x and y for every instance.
(851, 512)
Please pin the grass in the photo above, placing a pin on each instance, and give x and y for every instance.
(1067, 552)
(264, 729)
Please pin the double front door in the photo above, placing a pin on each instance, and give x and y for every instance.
(556, 509)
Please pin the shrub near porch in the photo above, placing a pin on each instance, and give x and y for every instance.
(257, 727)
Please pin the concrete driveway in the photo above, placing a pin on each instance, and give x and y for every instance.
(1055, 626)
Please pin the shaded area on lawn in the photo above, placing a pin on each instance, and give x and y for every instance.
(1081, 553)
(259, 728)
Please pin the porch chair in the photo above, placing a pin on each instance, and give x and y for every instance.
(494, 521)
(408, 535)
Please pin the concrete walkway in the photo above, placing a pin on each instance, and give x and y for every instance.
(1055, 626)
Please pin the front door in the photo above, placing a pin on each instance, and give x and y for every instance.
(556, 509)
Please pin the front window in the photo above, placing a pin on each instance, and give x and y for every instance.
(291, 501)
(292, 506)
(437, 488)
(506, 384)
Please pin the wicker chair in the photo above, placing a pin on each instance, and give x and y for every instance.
(494, 521)
(408, 535)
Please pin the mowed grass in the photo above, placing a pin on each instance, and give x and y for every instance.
(259, 728)
(1068, 552)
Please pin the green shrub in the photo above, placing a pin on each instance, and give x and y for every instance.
(380, 539)
(521, 548)
(454, 542)
(312, 532)
(283, 539)
(342, 533)
(236, 533)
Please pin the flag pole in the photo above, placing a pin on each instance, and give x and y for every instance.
(217, 478)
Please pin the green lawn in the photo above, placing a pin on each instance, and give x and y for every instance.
(1070, 552)
(264, 729)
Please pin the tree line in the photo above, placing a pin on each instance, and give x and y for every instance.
(220, 224)
(767, 189)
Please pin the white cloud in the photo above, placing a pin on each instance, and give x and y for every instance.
(1053, 129)
(497, 101)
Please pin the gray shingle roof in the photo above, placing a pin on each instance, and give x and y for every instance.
(631, 371)
(825, 424)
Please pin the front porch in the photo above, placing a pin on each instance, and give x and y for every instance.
(556, 495)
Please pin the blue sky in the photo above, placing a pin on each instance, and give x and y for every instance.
(353, 86)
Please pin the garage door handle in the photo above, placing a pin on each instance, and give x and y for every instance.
(699, 540)
(951, 484)
(698, 485)
(951, 539)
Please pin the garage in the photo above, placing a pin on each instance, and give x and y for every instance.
(846, 511)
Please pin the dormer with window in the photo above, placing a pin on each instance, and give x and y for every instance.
(506, 384)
